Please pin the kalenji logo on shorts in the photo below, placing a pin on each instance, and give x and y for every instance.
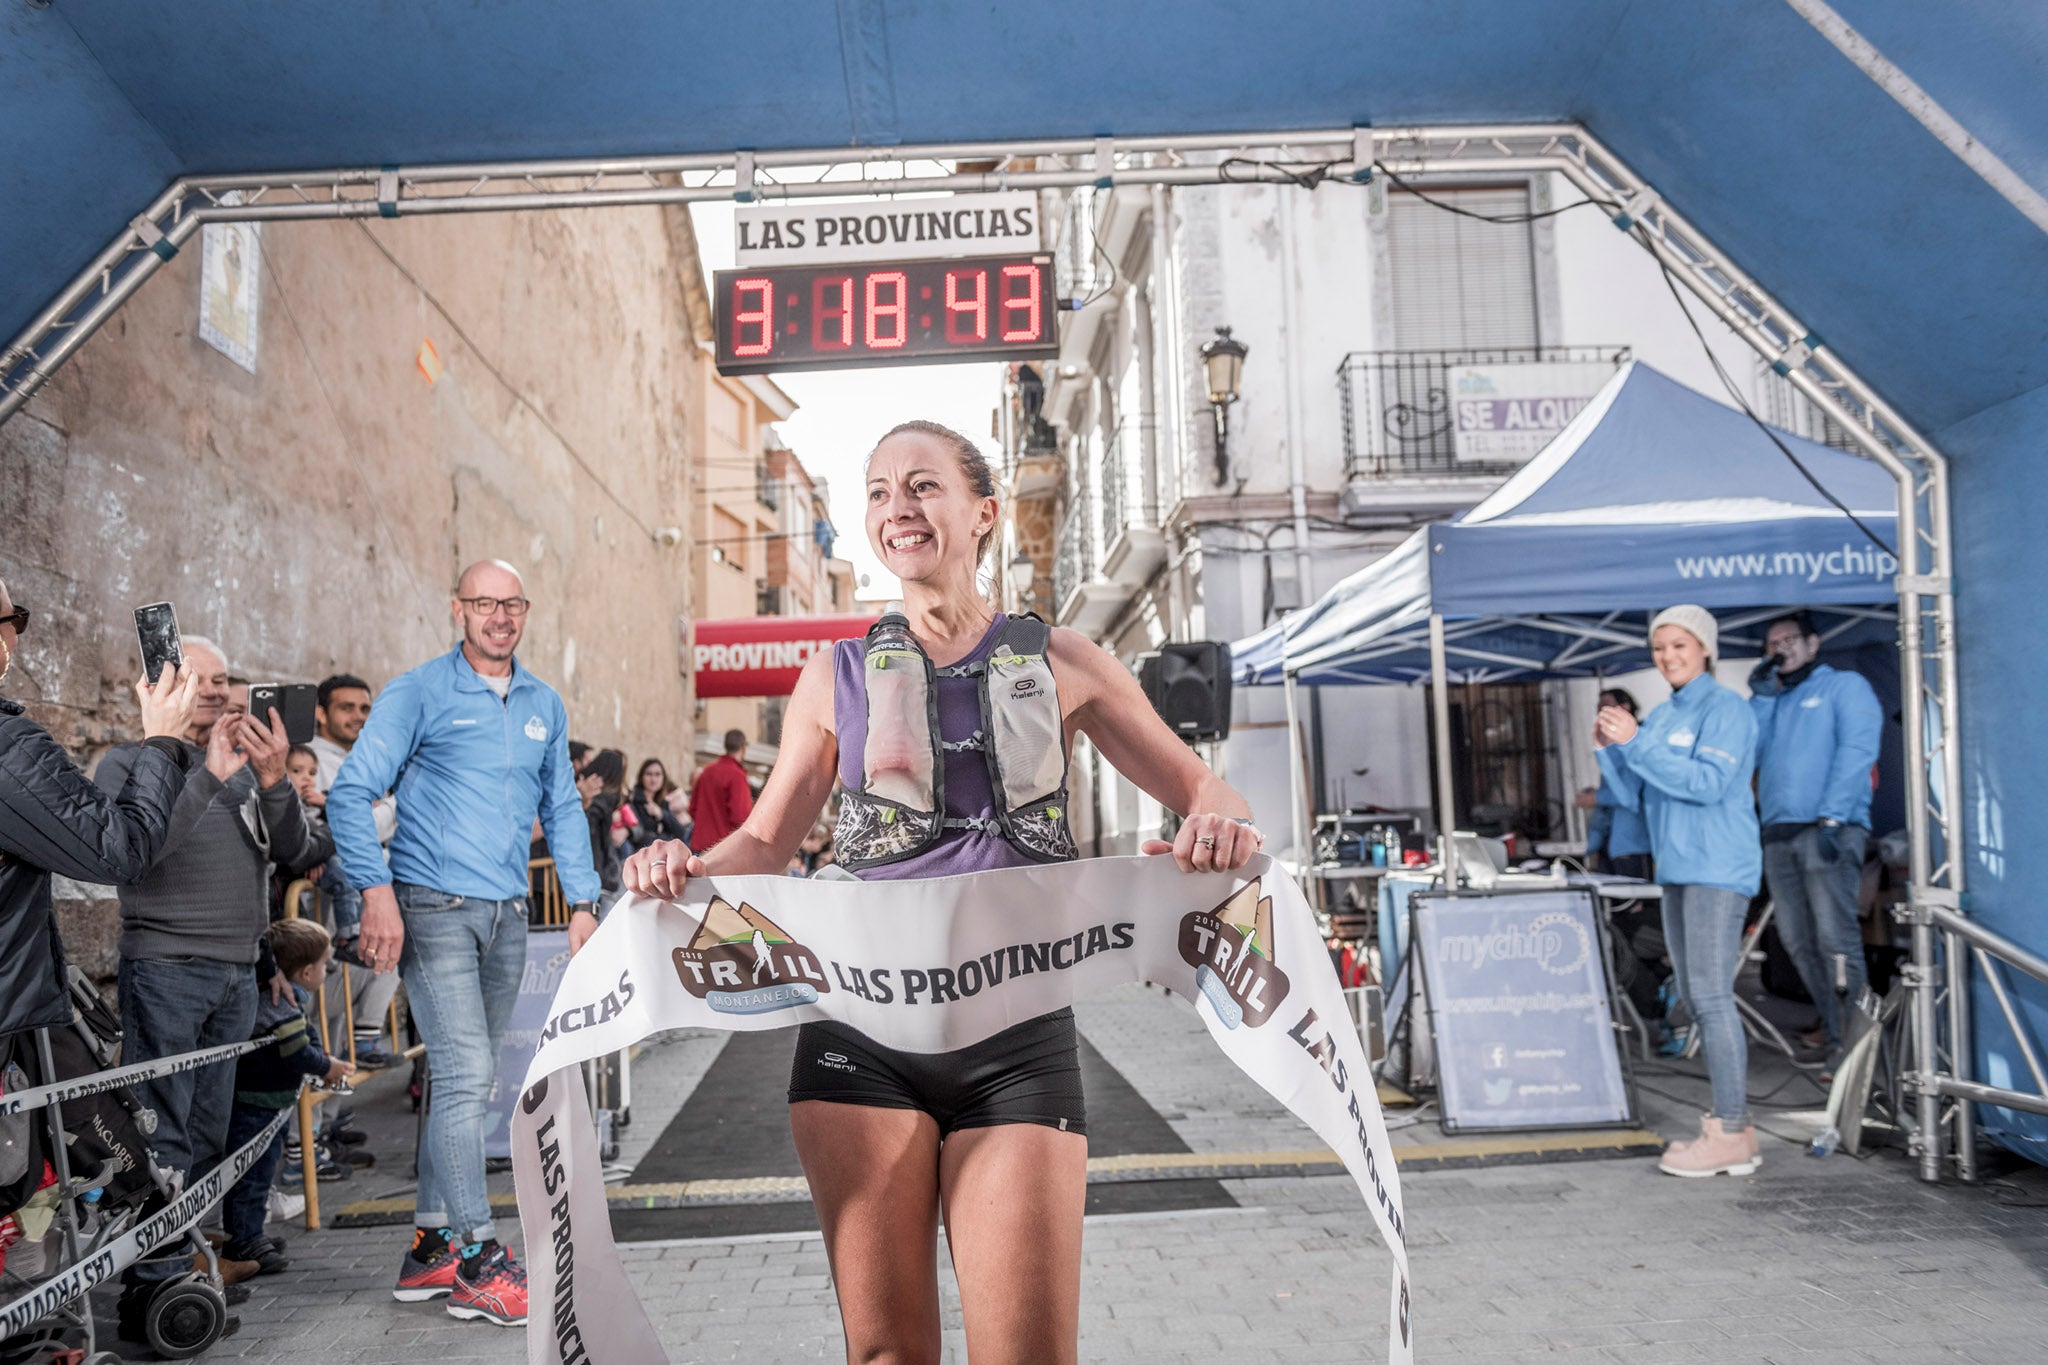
(1231, 950)
(740, 962)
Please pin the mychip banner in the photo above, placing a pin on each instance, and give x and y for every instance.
(927, 966)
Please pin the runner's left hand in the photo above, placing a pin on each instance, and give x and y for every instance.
(1209, 843)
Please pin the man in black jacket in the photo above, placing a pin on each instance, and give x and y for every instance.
(54, 820)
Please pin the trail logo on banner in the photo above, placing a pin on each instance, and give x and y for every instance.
(929, 965)
(1231, 950)
(731, 952)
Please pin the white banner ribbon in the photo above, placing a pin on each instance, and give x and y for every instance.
(927, 966)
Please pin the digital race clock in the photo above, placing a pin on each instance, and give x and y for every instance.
(831, 317)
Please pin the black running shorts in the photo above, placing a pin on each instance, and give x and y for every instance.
(1029, 1073)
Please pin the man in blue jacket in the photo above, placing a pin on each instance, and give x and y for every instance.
(1817, 737)
(475, 748)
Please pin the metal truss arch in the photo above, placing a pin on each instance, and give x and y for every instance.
(1793, 349)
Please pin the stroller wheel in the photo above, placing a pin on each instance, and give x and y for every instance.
(185, 1317)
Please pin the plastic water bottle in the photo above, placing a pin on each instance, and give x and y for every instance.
(897, 755)
(1825, 1143)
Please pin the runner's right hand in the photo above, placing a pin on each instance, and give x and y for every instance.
(660, 869)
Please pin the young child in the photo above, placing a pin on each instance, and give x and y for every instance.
(267, 1080)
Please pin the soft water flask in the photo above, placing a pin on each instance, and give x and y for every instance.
(898, 752)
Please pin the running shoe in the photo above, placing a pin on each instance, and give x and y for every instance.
(496, 1292)
(429, 1277)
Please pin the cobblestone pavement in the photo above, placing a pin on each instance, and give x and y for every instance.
(1807, 1261)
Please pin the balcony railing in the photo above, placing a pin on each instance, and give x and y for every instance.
(1124, 500)
(1402, 413)
(1074, 558)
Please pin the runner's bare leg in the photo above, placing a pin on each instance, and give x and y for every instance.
(873, 1175)
(1013, 1197)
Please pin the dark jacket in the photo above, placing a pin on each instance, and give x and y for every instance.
(268, 1078)
(657, 821)
(53, 819)
(604, 855)
(208, 893)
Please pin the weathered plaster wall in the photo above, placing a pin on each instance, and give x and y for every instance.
(312, 516)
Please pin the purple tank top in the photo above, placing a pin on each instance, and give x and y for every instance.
(968, 792)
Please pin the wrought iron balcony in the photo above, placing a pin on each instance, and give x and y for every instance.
(1074, 559)
(1125, 500)
(1466, 412)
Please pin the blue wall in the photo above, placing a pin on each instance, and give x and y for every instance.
(2001, 482)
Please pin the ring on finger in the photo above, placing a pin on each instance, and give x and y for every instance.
(1208, 839)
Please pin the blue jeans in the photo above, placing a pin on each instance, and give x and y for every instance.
(461, 964)
(182, 1004)
(248, 1201)
(1814, 879)
(1703, 933)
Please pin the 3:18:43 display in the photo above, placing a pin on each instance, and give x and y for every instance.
(887, 313)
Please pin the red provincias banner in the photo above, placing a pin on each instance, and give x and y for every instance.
(760, 656)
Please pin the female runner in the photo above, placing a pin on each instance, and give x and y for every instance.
(992, 1137)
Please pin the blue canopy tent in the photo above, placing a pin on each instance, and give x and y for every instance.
(1653, 494)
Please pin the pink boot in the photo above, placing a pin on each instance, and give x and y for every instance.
(1714, 1152)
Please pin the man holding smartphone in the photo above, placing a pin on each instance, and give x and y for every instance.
(192, 929)
(476, 748)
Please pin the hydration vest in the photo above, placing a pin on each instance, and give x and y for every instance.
(899, 808)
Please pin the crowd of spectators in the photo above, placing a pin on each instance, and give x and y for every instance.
(256, 876)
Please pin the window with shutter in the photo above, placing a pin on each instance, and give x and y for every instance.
(1455, 282)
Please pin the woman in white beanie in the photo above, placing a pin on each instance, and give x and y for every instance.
(1687, 768)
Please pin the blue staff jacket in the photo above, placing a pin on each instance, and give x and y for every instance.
(1614, 827)
(1687, 770)
(1815, 745)
(471, 773)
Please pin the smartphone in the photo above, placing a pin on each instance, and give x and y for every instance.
(294, 701)
(156, 629)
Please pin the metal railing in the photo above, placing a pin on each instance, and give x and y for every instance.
(1400, 407)
(1122, 481)
(1074, 558)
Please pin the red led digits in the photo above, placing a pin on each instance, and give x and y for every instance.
(744, 317)
(896, 312)
(1025, 307)
(839, 313)
(966, 318)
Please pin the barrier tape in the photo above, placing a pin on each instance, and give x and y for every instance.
(179, 1218)
(35, 1097)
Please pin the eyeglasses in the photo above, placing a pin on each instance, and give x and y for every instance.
(18, 618)
(486, 606)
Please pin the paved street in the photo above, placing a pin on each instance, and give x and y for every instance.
(1809, 1261)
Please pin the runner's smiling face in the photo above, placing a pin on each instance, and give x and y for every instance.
(924, 519)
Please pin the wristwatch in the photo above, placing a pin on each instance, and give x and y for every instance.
(583, 907)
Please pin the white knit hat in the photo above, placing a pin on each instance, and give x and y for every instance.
(1698, 620)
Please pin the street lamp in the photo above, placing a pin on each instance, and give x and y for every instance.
(1022, 572)
(1223, 362)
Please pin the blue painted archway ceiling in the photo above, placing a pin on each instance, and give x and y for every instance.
(1793, 160)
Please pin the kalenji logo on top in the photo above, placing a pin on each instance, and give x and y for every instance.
(741, 962)
(1231, 950)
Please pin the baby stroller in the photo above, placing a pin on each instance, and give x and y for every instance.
(55, 1248)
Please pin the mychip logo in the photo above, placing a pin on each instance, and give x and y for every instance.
(1231, 950)
(741, 962)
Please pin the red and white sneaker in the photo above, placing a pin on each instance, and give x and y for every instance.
(428, 1276)
(496, 1293)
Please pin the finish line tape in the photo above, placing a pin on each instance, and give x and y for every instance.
(928, 966)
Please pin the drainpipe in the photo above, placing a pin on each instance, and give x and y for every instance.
(1167, 345)
(1291, 366)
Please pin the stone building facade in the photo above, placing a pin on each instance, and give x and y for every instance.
(423, 393)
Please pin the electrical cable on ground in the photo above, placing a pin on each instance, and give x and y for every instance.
(518, 395)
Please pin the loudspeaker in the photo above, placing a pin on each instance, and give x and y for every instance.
(1189, 686)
